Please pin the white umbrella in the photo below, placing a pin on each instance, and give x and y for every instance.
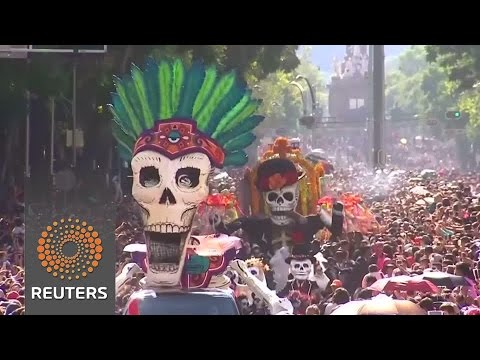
(141, 248)
(379, 305)
(222, 175)
(419, 190)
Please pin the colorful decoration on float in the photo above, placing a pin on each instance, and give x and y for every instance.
(357, 216)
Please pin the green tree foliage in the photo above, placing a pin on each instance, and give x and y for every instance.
(418, 87)
(282, 102)
(461, 63)
(51, 75)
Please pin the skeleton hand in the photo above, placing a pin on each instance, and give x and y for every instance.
(215, 220)
(334, 223)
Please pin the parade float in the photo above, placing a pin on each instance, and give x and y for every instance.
(176, 123)
(285, 217)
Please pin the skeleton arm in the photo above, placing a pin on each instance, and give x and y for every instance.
(334, 223)
(274, 303)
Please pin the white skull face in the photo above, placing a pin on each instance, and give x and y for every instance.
(300, 269)
(255, 271)
(282, 201)
(169, 192)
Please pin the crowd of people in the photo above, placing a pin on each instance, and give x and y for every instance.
(12, 237)
(426, 224)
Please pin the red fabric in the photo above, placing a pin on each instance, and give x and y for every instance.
(13, 295)
(298, 238)
(133, 308)
(277, 181)
(220, 200)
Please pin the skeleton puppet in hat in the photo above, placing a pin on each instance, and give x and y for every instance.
(301, 291)
(176, 123)
(278, 181)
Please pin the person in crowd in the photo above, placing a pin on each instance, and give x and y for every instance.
(340, 296)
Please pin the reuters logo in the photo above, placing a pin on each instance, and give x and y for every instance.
(69, 249)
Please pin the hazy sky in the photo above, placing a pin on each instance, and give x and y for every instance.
(322, 55)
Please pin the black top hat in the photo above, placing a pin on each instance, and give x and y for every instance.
(283, 168)
(301, 252)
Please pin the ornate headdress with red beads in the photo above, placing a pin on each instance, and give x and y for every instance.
(175, 110)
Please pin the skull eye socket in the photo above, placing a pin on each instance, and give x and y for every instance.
(296, 266)
(188, 177)
(253, 272)
(272, 196)
(306, 266)
(288, 196)
(149, 176)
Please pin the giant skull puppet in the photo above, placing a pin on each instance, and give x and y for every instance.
(176, 124)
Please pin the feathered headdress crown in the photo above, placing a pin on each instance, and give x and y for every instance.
(175, 110)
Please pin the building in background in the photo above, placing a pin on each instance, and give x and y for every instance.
(349, 87)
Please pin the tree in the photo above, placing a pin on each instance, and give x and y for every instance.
(50, 75)
(418, 87)
(462, 65)
(282, 102)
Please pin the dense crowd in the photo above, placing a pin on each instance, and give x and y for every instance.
(12, 237)
(426, 222)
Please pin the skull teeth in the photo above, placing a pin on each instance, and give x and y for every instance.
(173, 268)
(167, 228)
(280, 209)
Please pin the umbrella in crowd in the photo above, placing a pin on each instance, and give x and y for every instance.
(443, 279)
(419, 190)
(405, 283)
(380, 305)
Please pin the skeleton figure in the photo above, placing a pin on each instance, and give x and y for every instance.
(301, 291)
(167, 123)
(256, 268)
(300, 269)
(277, 180)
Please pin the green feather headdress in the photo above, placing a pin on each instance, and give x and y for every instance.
(157, 108)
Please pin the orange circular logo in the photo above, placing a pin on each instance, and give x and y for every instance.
(70, 249)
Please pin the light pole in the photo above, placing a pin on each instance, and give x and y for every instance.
(312, 92)
(378, 80)
(309, 121)
(302, 94)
